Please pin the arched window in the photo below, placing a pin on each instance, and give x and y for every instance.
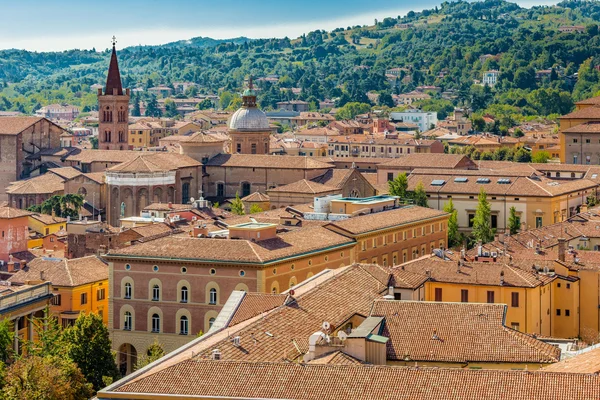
(155, 293)
(213, 296)
(155, 323)
(183, 325)
(184, 294)
(245, 189)
(127, 321)
(128, 290)
(211, 322)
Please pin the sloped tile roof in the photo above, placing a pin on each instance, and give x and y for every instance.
(16, 125)
(587, 362)
(266, 161)
(256, 197)
(10, 212)
(457, 332)
(43, 184)
(254, 304)
(304, 186)
(63, 272)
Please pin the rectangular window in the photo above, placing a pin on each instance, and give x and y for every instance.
(567, 313)
(100, 294)
(363, 245)
(514, 299)
(515, 326)
(464, 296)
(558, 312)
(56, 300)
(494, 221)
(390, 176)
(490, 296)
(538, 222)
(374, 242)
(238, 147)
(471, 217)
(253, 148)
(438, 294)
(83, 298)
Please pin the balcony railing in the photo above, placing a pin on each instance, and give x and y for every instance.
(25, 295)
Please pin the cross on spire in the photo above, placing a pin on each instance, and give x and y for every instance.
(114, 40)
(250, 85)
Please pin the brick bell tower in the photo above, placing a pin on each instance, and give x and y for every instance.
(113, 109)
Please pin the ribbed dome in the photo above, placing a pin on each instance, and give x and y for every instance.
(249, 119)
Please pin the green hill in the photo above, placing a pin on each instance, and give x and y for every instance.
(441, 47)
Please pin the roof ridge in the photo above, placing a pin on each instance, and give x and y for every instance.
(68, 270)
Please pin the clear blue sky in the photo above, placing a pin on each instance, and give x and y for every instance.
(65, 24)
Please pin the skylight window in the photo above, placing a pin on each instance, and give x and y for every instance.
(504, 181)
(438, 182)
(483, 180)
(461, 180)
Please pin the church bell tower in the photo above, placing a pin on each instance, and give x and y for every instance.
(113, 109)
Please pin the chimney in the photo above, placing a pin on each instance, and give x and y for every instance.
(42, 276)
(562, 248)
(200, 230)
(501, 278)
(583, 208)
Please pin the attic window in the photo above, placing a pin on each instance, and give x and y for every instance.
(438, 182)
(461, 180)
(552, 183)
(483, 180)
(504, 181)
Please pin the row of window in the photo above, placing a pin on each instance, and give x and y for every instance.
(155, 327)
(384, 239)
(491, 296)
(83, 297)
(183, 293)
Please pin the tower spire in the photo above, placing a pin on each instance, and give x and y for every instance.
(113, 79)
(249, 95)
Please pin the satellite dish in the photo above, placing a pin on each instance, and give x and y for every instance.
(326, 325)
(342, 335)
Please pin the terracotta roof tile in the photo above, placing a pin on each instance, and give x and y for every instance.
(304, 186)
(584, 113)
(16, 125)
(254, 304)
(63, 272)
(256, 197)
(332, 382)
(10, 212)
(587, 362)
(337, 358)
(457, 332)
(43, 184)
(267, 161)
(48, 219)
(387, 219)
(426, 161)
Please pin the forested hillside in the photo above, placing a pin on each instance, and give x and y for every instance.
(441, 47)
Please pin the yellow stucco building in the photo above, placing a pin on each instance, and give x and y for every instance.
(79, 285)
(46, 224)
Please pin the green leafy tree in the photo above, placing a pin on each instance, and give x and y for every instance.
(482, 228)
(351, 110)
(541, 157)
(514, 222)
(154, 352)
(94, 142)
(45, 378)
(591, 200)
(419, 195)
(6, 340)
(237, 206)
(136, 112)
(50, 340)
(171, 109)
(522, 156)
(255, 208)
(152, 109)
(399, 186)
(89, 346)
(205, 104)
(453, 238)
(67, 205)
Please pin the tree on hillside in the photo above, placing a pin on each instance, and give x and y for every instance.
(453, 238)
(522, 155)
(89, 346)
(482, 228)
(237, 206)
(514, 221)
(351, 110)
(399, 186)
(419, 195)
(49, 378)
(136, 112)
(171, 109)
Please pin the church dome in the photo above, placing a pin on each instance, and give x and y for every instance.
(249, 119)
